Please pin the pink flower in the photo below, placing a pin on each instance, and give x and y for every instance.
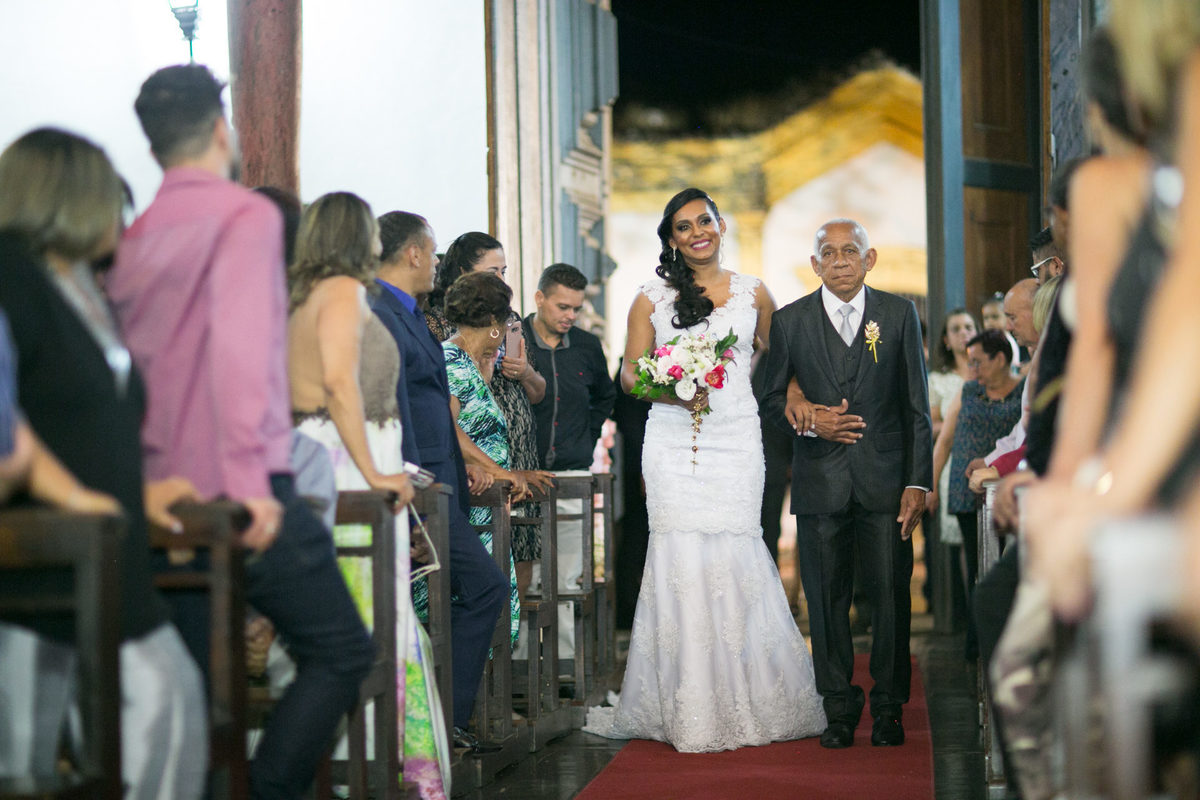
(715, 377)
(728, 353)
(665, 350)
(676, 372)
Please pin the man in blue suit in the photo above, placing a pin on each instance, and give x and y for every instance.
(479, 589)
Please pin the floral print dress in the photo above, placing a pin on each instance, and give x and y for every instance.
(482, 420)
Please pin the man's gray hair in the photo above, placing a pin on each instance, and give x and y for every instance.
(860, 233)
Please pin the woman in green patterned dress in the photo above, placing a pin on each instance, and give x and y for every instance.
(478, 305)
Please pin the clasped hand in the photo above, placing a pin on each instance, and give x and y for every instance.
(832, 424)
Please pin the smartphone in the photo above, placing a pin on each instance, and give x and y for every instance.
(512, 340)
(420, 477)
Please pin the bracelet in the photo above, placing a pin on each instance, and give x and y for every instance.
(1093, 476)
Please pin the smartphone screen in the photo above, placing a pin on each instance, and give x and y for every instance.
(512, 340)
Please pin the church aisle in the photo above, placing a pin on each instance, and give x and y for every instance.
(561, 770)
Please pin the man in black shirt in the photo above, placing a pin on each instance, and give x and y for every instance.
(579, 391)
(579, 397)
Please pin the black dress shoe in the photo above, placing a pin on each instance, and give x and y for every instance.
(887, 732)
(468, 741)
(837, 735)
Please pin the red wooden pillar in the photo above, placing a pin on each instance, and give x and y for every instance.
(264, 59)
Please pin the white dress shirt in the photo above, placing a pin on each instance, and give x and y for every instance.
(833, 308)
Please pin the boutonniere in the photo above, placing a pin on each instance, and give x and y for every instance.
(872, 336)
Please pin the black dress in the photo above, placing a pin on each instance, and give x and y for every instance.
(1133, 289)
(87, 414)
(522, 452)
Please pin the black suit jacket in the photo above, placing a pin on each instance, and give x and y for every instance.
(423, 395)
(891, 395)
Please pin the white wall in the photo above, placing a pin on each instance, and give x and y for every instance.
(883, 188)
(394, 108)
(78, 64)
(393, 99)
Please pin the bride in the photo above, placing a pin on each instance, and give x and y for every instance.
(715, 659)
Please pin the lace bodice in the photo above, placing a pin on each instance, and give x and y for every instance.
(737, 314)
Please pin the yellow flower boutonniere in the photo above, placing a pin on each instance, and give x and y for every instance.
(872, 335)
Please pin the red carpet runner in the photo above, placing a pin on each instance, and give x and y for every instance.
(802, 770)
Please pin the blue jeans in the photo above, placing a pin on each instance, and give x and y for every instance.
(296, 584)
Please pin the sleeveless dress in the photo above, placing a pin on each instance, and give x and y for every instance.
(426, 756)
(715, 659)
(1129, 299)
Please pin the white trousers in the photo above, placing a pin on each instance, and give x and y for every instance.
(164, 720)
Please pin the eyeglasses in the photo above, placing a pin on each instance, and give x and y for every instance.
(1037, 268)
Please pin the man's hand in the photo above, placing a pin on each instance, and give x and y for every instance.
(479, 480)
(835, 425)
(975, 479)
(912, 503)
(266, 515)
(931, 501)
(1004, 508)
(159, 496)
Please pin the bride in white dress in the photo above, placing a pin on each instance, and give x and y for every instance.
(715, 659)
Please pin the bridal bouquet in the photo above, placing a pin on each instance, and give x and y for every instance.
(687, 364)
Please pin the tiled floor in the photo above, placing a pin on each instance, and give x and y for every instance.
(564, 767)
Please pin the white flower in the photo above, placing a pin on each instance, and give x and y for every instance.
(685, 390)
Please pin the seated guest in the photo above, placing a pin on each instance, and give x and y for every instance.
(198, 289)
(478, 589)
(477, 305)
(60, 210)
(343, 366)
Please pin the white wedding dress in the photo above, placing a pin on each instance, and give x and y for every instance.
(715, 659)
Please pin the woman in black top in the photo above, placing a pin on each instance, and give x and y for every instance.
(60, 210)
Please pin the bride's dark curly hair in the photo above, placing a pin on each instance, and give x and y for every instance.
(692, 305)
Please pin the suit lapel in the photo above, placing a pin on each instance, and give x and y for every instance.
(871, 313)
(812, 318)
(415, 328)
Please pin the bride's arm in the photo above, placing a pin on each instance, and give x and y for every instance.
(639, 340)
(765, 303)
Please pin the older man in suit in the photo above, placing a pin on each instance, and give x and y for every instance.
(479, 589)
(846, 371)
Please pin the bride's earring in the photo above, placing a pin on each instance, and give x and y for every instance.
(674, 253)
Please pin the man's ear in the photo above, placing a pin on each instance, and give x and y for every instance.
(221, 134)
(815, 265)
(539, 298)
(869, 261)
